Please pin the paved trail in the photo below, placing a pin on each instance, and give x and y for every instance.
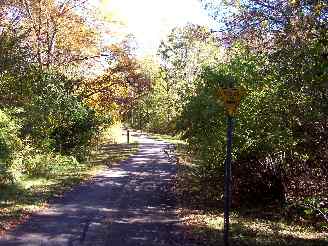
(123, 206)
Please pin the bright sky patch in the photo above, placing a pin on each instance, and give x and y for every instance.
(150, 20)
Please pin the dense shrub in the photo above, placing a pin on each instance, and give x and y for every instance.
(155, 111)
(276, 139)
(9, 144)
(57, 126)
(46, 164)
(59, 120)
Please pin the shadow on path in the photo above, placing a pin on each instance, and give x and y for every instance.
(126, 205)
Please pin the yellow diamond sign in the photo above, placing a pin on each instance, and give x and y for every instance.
(231, 98)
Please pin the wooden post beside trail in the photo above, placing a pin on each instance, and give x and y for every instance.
(128, 136)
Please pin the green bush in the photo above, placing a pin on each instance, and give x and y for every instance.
(9, 144)
(57, 127)
(203, 121)
(59, 120)
(269, 146)
(35, 162)
(43, 164)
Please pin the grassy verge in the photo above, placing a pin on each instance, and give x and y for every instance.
(171, 139)
(207, 228)
(249, 226)
(29, 194)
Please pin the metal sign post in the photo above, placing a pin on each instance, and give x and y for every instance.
(227, 181)
(231, 98)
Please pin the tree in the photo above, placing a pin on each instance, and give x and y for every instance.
(120, 85)
(182, 55)
(281, 129)
(57, 34)
(185, 51)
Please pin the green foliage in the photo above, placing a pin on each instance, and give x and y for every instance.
(267, 141)
(9, 144)
(47, 164)
(202, 126)
(59, 120)
(314, 205)
(156, 111)
(203, 120)
(54, 119)
(9, 140)
(182, 53)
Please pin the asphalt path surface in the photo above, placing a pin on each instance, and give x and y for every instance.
(130, 204)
